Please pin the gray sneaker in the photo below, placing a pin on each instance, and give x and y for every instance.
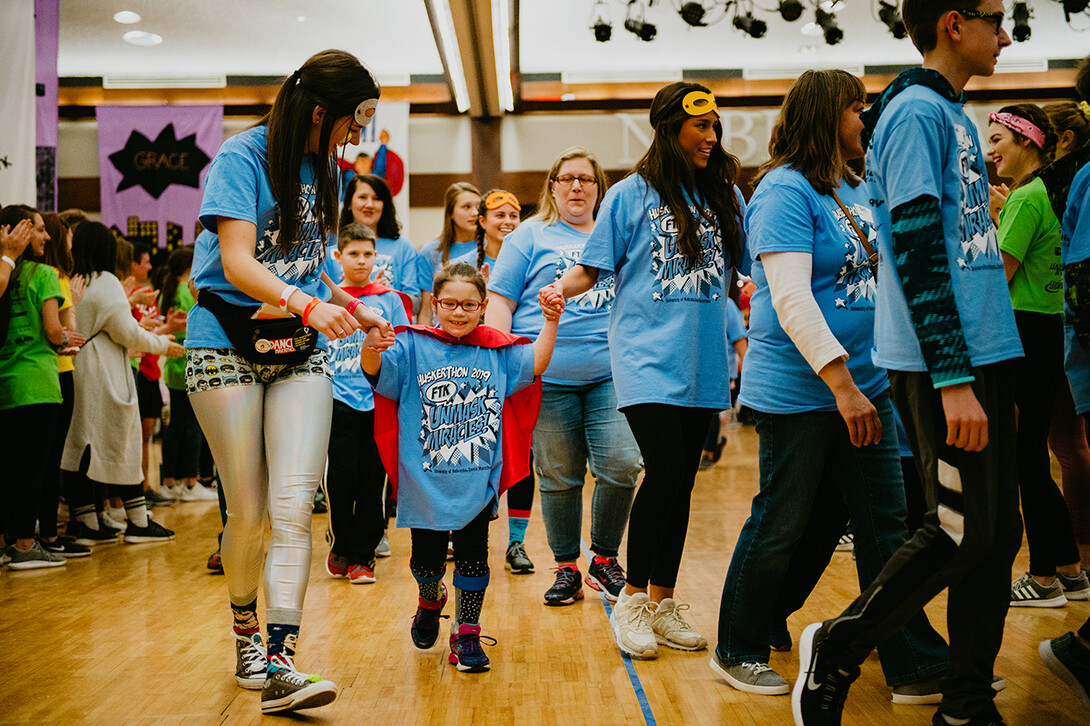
(250, 664)
(383, 548)
(1075, 588)
(33, 559)
(1027, 592)
(751, 677)
(286, 689)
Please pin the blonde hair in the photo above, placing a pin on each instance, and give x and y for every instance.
(547, 211)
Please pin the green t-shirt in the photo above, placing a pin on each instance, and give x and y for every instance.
(174, 368)
(28, 365)
(1030, 232)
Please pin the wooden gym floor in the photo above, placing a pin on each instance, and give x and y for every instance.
(139, 634)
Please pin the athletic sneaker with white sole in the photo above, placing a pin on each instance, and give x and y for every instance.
(751, 677)
(286, 689)
(671, 629)
(250, 663)
(1075, 588)
(631, 622)
(1027, 592)
(1070, 661)
(35, 558)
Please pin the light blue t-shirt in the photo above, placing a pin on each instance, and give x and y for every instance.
(667, 338)
(471, 258)
(925, 145)
(786, 214)
(350, 385)
(536, 255)
(450, 400)
(736, 330)
(237, 187)
(431, 262)
(399, 262)
(1075, 247)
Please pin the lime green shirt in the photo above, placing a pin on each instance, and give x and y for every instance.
(1030, 233)
(174, 368)
(28, 365)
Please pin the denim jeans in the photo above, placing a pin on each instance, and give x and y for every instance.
(580, 425)
(800, 455)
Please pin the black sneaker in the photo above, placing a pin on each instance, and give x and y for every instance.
(988, 717)
(779, 637)
(154, 532)
(155, 498)
(517, 561)
(1070, 661)
(65, 547)
(81, 534)
(822, 686)
(567, 589)
(425, 629)
(286, 689)
(606, 577)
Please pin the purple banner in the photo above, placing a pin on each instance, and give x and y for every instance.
(46, 38)
(152, 161)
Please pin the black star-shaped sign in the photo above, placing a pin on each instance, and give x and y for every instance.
(155, 165)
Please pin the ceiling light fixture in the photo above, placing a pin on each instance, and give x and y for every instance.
(790, 10)
(827, 22)
(750, 25)
(1021, 16)
(600, 23)
(1073, 7)
(452, 59)
(891, 16)
(501, 32)
(126, 17)
(634, 22)
(142, 38)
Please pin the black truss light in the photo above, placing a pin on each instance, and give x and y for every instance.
(827, 22)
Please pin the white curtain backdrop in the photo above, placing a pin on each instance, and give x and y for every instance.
(18, 164)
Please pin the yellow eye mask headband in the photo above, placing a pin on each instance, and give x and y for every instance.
(698, 103)
(495, 200)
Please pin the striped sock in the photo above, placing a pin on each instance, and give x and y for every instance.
(87, 516)
(136, 510)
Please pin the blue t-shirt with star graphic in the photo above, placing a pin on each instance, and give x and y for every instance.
(449, 405)
(925, 145)
(237, 187)
(350, 385)
(667, 337)
(786, 214)
(1075, 247)
(399, 264)
(535, 255)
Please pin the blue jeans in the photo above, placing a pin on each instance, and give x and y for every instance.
(798, 454)
(580, 425)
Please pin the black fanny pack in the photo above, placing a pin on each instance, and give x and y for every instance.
(266, 341)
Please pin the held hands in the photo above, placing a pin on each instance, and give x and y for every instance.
(14, 241)
(966, 422)
(379, 339)
(551, 296)
(551, 310)
(332, 320)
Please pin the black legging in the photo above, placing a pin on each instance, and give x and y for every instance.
(25, 427)
(354, 482)
(182, 439)
(670, 439)
(1038, 377)
(520, 496)
(51, 475)
(429, 557)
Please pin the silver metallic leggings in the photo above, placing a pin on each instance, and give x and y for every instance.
(269, 442)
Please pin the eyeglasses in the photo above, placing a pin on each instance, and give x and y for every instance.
(996, 18)
(567, 180)
(449, 303)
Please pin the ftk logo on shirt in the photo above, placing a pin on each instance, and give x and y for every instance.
(460, 419)
(675, 279)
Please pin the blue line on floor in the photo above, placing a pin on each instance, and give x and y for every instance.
(629, 666)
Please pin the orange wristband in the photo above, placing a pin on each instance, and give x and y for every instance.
(314, 302)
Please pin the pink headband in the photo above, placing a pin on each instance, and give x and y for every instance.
(1021, 125)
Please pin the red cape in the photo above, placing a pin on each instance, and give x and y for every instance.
(517, 421)
(374, 288)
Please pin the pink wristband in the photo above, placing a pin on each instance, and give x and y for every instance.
(351, 307)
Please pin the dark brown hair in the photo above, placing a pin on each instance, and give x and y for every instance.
(668, 170)
(921, 19)
(807, 132)
(459, 271)
(57, 253)
(354, 232)
(1067, 116)
(388, 226)
(1038, 118)
(179, 261)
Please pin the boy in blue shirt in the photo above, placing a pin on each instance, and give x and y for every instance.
(945, 330)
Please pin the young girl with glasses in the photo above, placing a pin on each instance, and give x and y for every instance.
(454, 407)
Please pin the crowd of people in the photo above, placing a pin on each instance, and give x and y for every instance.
(917, 342)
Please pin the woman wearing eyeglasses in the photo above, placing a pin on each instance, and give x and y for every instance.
(579, 423)
(669, 233)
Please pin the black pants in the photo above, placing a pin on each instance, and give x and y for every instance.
(24, 429)
(182, 439)
(970, 536)
(470, 547)
(354, 485)
(670, 439)
(520, 496)
(51, 474)
(1039, 376)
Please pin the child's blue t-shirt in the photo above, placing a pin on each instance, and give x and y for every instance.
(538, 254)
(350, 385)
(736, 330)
(1075, 247)
(667, 338)
(450, 399)
(786, 214)
(924, 145)
(237, 187)
(431, 262)
(399, 262)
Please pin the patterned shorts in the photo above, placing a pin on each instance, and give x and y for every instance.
(207, 369)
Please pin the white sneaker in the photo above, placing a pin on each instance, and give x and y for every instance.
(198, 493)
(672, 631)
(383, 548)
(631, 621)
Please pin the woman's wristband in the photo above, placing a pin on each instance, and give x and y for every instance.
(8, 260)
(314, 302)
(286, 295)
(350, 308)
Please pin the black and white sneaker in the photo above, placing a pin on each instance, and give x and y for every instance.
(286, 689)
(81, 534)
(567, 589)
(65, 547)
(517, 560)
(822, 686)
(154, 532)
(250, 663)
(606, 577)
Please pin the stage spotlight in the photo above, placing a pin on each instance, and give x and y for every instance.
(751, 26)
(790, 10)
(1074, 7)
(693, 14)
(635, 24)
(827, 21)
(1021, 17)
(599, 22)
(889, 15)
